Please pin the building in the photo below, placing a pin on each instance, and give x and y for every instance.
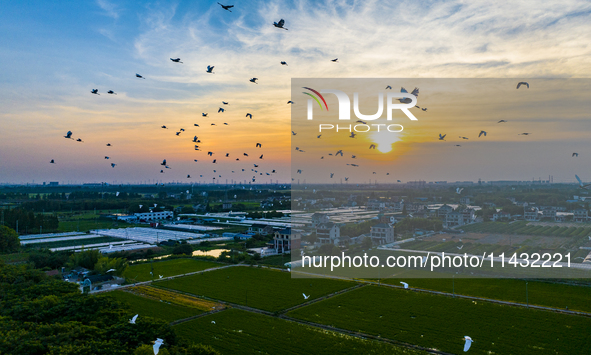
(376, 205)
(261, 229)
(443, 210)
(501, 216)
(580, 215)
(318, 218)
(153, 216)
(455, 219)
(531, 214)
(465, 200)
(285, 240)
(382, 233)
(226, 205)
(327, 233)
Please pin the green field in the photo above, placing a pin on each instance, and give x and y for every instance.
(441, 322)
(147, 307)
(270, 290)
(166, 268)
(521, 227)
(240, 332)
(546, 294)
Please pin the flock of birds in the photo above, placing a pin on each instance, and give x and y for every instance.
(255, 170)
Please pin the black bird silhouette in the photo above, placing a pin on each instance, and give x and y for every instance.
(226, 7)
(204, 114)
(163, 162)
(261, 157)
(139, 76)
(214, 161)
(79, 140)
(111, 92)
(249, 115)
(210, 153)
(254, 80)
(52, 162)
(164, 127)
(280, 24)
(259, 145)
(335, 60)
(94, 91)
(107, 157)
(221, 110)
(210, 69)
(224, 102)
(522, 83)
(177, 60)
(69, 135)
(283, 63)
(108, 144)
(188, 176)
(113, 165)
(290, 102)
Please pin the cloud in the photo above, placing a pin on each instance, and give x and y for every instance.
(110, 9)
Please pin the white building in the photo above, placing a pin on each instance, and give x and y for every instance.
(382, 234)
(153, 216)
(327, 233)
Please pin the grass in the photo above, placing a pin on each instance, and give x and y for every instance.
(265, 289)
(441, 322)
(275, 260)
(546, 294)
(147, 307)
(240, 332)
(172, 267)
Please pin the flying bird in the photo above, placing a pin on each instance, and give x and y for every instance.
(481, 133)
(280, 24)
(69, 135)
(94, 91)
(210, 69)
(581, 185)
(501, 121)
(226, 7)
(283, 63)
(524, 134)
(442, 137)
(352, 135)
(464, 137)
(249, 115)
(459, 190)
(335, 60)
(293, 133)
(424, 109)
(373, 146)
(107, 157)
(522, 83)
(132, 320)
(254, 80)
(575, 155)
(111, 92)
(139, 76)
(164, 127)
(318, 136)
(52, 162)
(79, 140)
(258, 145)
(225, 103)
(108, 144)
(468, 343)
(157, 344)
(290, 102)
(204, 114)
(306, 297)
(221, 110)
(163, 162)
(176, 60)
(388, 87)
(113, 165)
(404, 284)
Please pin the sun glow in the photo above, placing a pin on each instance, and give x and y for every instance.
(384, 140)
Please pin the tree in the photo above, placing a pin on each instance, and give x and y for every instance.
(183, 248)
(104, 264)
(9, 242)
(366, 243)
(86, 259)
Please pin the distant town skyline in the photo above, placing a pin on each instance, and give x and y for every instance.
(54, 54)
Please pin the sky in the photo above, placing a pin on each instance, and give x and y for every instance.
(53, 54)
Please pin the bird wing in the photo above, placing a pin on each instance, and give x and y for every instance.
(281, 22)
(134, 318)
(467, 344)
(579, 180)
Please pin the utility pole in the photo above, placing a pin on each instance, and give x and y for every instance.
(526, 295)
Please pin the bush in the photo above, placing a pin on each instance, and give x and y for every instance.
(183, 249)
(9, 242)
